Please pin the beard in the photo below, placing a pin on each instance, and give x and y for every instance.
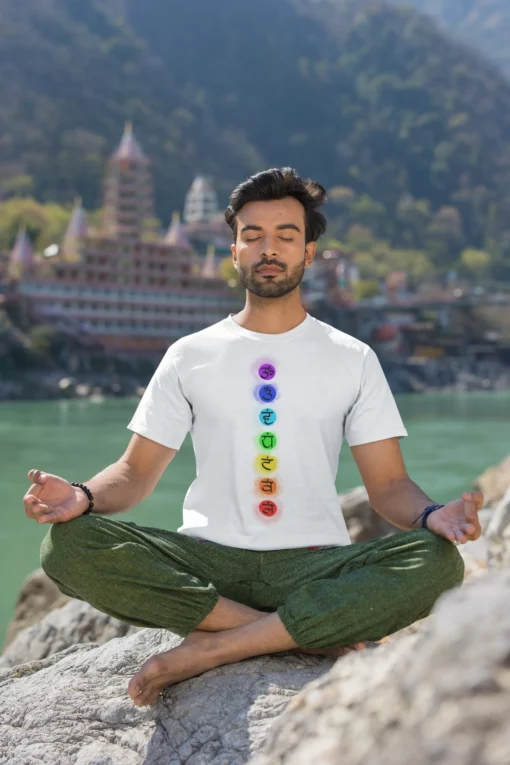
(271, 286)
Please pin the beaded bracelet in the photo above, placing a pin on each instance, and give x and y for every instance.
(89, 495)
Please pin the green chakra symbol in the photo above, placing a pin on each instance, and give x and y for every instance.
(267, 440)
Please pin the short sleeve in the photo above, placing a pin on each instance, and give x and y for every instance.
(163, 413)
(374, 415)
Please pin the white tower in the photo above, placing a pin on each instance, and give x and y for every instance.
(201, 201)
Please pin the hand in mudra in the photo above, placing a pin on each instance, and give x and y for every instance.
(51, 499)
(458, 520)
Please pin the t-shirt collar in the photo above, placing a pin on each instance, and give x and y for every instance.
(267, 337)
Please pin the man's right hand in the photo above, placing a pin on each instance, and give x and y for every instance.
(51, 499)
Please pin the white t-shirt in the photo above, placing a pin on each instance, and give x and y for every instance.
(268, 414)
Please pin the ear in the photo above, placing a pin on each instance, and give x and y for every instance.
(233, 251)
(310, 251)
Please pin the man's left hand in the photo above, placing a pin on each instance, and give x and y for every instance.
(458, 520)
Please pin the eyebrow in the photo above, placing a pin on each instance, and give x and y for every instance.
(252, 227)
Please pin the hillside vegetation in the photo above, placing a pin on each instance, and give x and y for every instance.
(411, 129)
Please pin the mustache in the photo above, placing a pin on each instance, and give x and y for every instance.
(270, 265)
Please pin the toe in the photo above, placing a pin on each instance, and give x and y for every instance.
(135, 687)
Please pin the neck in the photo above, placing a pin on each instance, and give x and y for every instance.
(270, 316)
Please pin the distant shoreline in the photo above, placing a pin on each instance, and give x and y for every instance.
(416, 376)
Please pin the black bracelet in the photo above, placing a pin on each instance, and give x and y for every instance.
(89, 495)
(428, 510)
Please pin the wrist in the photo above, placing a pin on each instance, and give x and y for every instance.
(421, 520)
(84, 496)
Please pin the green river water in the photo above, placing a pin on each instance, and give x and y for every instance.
(452, 439)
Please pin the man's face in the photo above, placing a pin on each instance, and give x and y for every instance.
(271, 235)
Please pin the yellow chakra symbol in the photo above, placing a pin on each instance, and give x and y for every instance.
(265, 463)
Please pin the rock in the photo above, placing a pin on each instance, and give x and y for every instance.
(494, 482)
(76, 622)
(501, 517)
(499, 550)
(38, 595)
(73, 708)
(436, 698)
(362, 521)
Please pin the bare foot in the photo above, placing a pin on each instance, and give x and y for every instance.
(192, 657)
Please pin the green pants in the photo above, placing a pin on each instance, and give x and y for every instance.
(325, 597)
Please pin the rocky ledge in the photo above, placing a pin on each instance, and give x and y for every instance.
(436, 694)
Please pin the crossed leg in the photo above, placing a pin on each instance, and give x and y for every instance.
(230, 633)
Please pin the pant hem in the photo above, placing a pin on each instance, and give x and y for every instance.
(290, 629)
(206, 611)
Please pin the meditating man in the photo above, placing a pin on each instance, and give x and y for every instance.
(262, 562)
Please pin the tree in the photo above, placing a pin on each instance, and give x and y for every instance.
(475, 261)
(45, 223)
(366, 289)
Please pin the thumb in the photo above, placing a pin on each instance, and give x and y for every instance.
(37, 476)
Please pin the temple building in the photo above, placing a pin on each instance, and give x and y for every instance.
(201, 202)
(129, 287)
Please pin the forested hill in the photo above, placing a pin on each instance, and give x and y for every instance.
(484, 24)
(379, 100)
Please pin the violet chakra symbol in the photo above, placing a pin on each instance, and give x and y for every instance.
(267, 371)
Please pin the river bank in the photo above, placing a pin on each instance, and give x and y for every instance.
(411, 375)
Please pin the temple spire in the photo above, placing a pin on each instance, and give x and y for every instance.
(129, 148)
(76, 231)
(129, 193)
(176, 236)
(21, 260)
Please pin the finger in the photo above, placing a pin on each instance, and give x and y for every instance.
(478, 499)
(460, 536)
(48, 518)
(447, 532)
(40, 511)
(30, 503)
(34, 508)
(473, 530)
(470, 510)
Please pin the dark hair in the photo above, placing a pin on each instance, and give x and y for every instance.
(279, 183)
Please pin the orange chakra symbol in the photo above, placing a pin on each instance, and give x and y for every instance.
(268, 485)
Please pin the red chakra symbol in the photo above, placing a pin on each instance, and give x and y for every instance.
(268, 508)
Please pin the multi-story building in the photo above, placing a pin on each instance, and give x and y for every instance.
(132, 290)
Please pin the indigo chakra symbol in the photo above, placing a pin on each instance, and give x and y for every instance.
(267, 393)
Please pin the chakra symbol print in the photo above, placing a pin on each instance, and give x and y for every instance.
(266, 463)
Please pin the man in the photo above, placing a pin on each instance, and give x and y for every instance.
(262, 562)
